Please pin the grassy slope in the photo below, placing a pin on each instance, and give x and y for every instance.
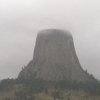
(73, 95)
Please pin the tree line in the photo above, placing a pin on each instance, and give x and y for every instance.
(34, 86)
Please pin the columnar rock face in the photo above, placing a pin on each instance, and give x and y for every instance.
(55, 58)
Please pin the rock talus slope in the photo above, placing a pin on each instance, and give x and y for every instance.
(55, 58)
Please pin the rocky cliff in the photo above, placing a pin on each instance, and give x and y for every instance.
(55, 58)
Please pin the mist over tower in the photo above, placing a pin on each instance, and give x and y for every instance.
(55, 58)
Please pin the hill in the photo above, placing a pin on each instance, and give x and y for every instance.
(54, 73)
(55, 58)
(36, 89)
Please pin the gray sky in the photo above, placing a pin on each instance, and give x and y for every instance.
(21, 20)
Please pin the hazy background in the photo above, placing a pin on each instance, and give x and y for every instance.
(20, 20)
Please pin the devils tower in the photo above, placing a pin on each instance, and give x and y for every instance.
(55, 58)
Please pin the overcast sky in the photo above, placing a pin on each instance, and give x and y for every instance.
(21, 20)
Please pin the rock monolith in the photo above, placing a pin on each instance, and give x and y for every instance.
(55, 58)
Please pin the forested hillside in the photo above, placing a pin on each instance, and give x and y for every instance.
(37, 89)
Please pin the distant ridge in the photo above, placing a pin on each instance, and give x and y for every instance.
(55, 58)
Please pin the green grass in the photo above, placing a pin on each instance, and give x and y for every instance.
(71, 94)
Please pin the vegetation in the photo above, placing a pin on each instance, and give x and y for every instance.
(33, 89)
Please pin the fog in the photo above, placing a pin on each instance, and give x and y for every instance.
(21, 20)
